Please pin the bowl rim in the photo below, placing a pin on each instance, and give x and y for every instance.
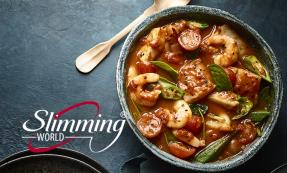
(232, 161)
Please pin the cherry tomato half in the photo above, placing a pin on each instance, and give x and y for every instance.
(181, 150)
(194, 124)
(145, 67)
(231, 75)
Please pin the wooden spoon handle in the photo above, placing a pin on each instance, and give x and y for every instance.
(91, 58)
(149, 11)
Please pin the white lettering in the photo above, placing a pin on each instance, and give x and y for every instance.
(38, 118)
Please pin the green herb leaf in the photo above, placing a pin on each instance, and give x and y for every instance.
(166, 67)
(220, 78)
(203, 125)
(169, 90)
(199, 25)
(245, 105)
(266, 94)
(212, 151)
(258, 116)
(198, 109)
(254, 65)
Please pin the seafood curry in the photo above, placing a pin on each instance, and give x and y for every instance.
(197, 90)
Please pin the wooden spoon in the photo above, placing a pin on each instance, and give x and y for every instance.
(91, 58)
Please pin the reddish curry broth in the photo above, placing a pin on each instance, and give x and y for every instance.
(211, 135)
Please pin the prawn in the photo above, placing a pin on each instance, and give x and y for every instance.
(177, 120)
(181, 116)
(156, 40)
(219, 122)
(140, 95)
(226, 30)
(229, 55)
(132, 72)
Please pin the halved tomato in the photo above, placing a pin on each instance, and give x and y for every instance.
(181, 150)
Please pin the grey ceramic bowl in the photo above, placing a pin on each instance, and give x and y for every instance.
(206, 14)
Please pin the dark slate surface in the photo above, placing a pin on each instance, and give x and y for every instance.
(39, 41)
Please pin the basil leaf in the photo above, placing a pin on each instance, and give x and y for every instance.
(258, 116)
(212, 151)
(266, 94)
(199, 25)
(169, 90)
(164, 66)
(245, 105)
(198, 109)
(254, 65)
(220, 78)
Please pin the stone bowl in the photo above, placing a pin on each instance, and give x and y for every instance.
(265, 55)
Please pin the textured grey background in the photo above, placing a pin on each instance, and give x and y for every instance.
(39, 41)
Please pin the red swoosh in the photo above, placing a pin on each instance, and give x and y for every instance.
(60, 113)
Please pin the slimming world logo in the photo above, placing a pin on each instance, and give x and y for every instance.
(49, 127)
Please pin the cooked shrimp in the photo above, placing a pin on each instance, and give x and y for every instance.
(230, 53)
(175, 28)
(139, 94)
(219, 122)
(153, 46)
(156, 38)
(147, 53)
(187, 137)
(226, 30)
(132, 72)
(181, 116)
(173, 52)
(227, 99)
(177, 119)
(155, 41)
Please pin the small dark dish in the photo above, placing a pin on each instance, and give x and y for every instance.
(266, 56)
(56, 161)
(280, 169)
